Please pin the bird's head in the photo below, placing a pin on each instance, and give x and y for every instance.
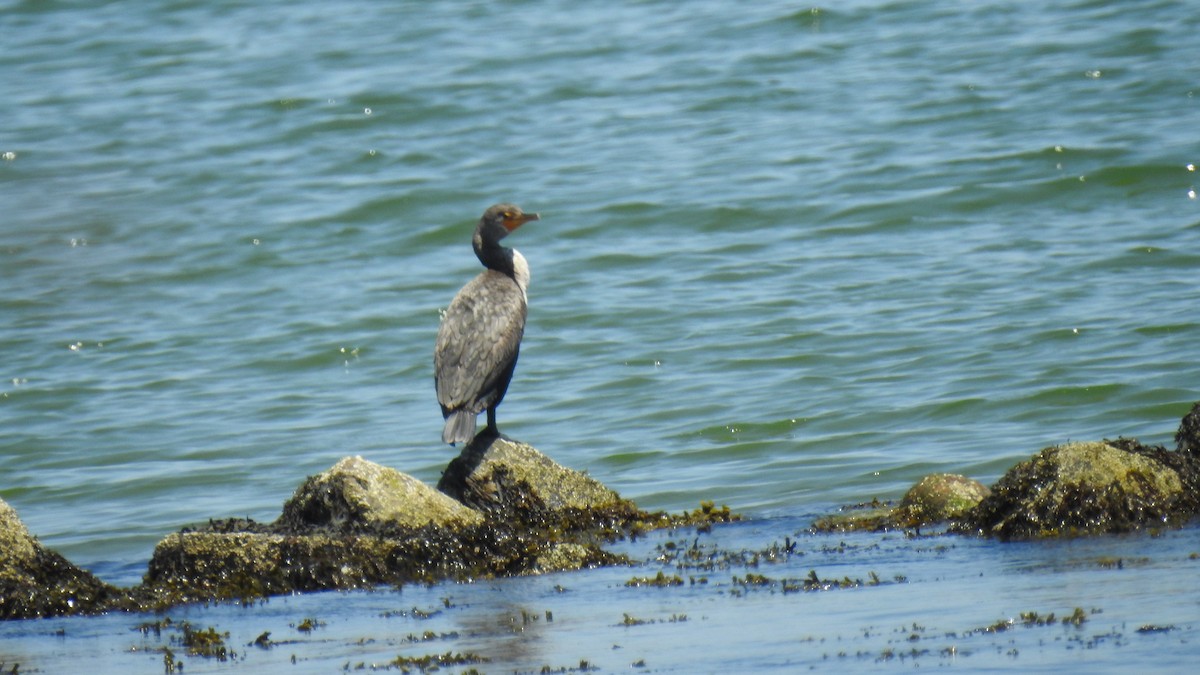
(501, 219)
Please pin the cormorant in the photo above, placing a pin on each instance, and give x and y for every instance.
(480, 335)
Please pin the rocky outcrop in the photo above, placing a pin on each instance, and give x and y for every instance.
(502, 508)
(209, 565)
(1088, 488)
(361, 496)
(512, 481)
(360, 525)
(1102, 487)
(507, 509)
(37, 582)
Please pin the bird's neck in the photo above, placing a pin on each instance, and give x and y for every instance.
(520, 272)
(493, 255)
(507, 261)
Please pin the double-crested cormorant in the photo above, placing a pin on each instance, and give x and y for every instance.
(480, 335)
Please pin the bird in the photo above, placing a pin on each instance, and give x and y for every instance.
(479, 337)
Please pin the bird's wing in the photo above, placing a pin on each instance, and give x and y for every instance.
(478, 341)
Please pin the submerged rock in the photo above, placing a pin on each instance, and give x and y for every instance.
(1082, 488)
(872, 516)
(512, 481)
(37, 582)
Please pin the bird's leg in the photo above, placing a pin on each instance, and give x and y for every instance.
(492, 429)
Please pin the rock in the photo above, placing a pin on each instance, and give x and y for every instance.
(1081, 488)
(18, 545)
(359, 525)
(938, 498)
(36, 581)
(212, 564)
(1187, 438)
(567, 557)
(872, 516)
(359, 496)
(512, 481)
(209, 565)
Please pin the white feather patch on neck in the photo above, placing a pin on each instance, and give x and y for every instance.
(521, 272)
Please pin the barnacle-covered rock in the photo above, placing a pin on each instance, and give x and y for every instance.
(1081, 488)
(935, 499)
(512, 481)
(36, 581)
(357, 495)
(938, 498)
(359, 525)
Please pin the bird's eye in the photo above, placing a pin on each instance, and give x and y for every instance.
(507, 214)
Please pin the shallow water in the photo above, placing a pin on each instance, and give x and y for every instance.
(909, 603)
(789, 258)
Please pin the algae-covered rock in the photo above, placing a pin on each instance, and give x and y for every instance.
(357, 495)
(210, 565)
(1080, 488)
(512, 480)
(938, 498)
(359, 525)
(872, 516)
(36, 581)
(1187, 437)
(566, 557)
(214, 564)
(18, 545)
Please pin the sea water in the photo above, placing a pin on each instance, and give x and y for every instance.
(790, 257)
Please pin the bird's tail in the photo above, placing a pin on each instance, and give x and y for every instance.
(460, 427)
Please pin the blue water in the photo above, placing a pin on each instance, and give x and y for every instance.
(789, 257)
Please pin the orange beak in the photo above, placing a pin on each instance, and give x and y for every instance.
(511, 224)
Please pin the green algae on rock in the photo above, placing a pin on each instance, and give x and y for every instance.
(37, 582)
(360, 525)
(1080, 489)
(207, 566)
(568, 556)
(511, 480)
(202, 566)
(357, 525)
(936, 498)
(872, 516)
(359, 495)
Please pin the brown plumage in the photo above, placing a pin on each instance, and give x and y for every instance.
(480, 336)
